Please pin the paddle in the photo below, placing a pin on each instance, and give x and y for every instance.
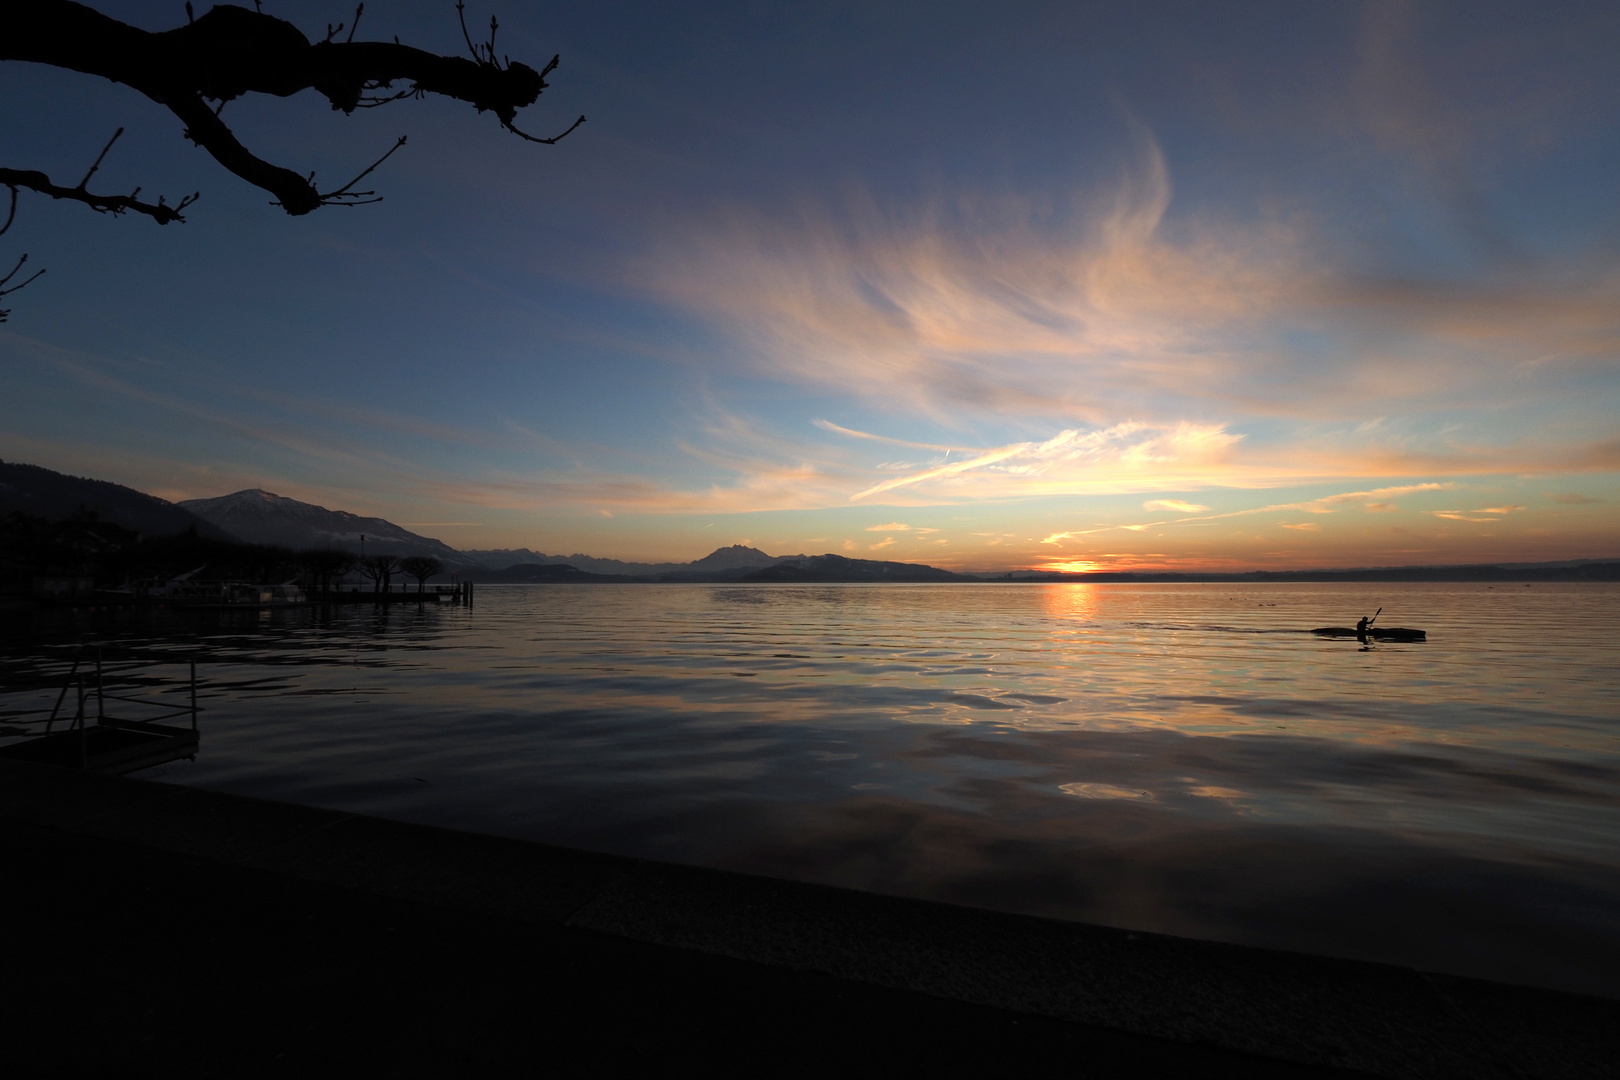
(1374, 618)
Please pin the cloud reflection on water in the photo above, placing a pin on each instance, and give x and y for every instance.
(1172, 758)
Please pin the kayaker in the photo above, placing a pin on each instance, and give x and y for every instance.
(1361, 629)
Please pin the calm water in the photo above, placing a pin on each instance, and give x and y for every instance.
(1176, 758)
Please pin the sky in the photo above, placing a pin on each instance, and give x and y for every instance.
(1072, 285)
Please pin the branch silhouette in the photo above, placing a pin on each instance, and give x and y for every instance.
(33, 180)
(231, 51)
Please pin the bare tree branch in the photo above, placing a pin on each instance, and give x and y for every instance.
(231, 51)
(344, 196)
(548, 142)
(100, 158)
(12, 214)
(21, 259)
(4, 291)
(160, 211)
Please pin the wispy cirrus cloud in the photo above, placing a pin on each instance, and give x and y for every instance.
(839, 429)
(1100, 306)
(1007, 305)
(1497, 513)
(1375, 498)
(1075, 460)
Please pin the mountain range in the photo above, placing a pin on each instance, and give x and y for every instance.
(260, 517)
(736, 563)
(255, 516)
(43, 493)
(721, 559)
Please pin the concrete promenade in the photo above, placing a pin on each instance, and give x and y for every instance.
(154, 929)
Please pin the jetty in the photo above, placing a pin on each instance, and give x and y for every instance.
(460, 592)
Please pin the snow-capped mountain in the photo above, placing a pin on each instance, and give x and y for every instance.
(261, 517)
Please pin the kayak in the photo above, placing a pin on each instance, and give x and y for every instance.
(1377, 633)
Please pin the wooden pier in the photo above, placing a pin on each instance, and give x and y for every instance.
(459, 593)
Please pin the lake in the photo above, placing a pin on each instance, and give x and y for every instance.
(1174, 758)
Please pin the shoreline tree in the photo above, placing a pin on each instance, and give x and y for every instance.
(380, 569)
(325, 566)
(420, 567)
(195, 70)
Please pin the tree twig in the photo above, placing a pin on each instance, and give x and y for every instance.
(548, 142)
(6, 312)
(344, 196)
(461, 13)
(100, 158)
(160, 211)
(20, 260)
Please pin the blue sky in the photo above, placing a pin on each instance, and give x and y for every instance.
(1082, 285)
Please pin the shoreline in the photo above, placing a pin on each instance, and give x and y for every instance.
(1206, 1005)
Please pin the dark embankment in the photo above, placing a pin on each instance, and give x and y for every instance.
(37, 492)
(157, 929)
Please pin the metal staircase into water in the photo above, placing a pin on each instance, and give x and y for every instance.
(140, 738)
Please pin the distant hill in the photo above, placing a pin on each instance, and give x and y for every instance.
(735, 557)
(500, 558)
(40, 492)
(733, 564)
(836, 568)
(260, 517)
(536, 574)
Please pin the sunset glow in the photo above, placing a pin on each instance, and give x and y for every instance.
(1237, 290)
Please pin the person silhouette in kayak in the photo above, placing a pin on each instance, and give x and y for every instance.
(1362, 632)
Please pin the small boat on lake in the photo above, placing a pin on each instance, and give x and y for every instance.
(1377, 633)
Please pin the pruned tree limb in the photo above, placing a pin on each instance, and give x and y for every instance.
(231, 51)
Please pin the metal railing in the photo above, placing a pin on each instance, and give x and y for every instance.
(102, 673)
(103, 684)
(129, 700)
